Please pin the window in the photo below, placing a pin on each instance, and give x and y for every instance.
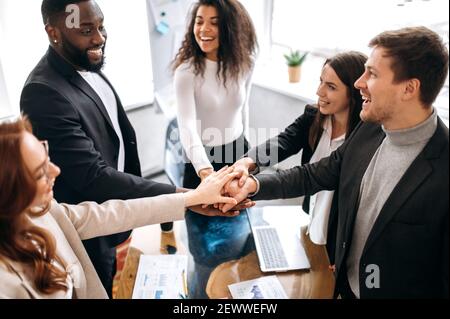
(326, 27)
(330, 26)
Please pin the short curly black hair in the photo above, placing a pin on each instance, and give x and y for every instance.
(50, 9)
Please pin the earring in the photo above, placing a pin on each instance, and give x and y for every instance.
(55, 41)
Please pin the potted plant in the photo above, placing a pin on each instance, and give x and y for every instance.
(294, 61)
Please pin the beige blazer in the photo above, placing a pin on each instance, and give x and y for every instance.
(73, 223)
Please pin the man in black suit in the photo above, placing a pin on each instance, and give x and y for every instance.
(72, 105)
(392, 176)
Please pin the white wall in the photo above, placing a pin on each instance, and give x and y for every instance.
(5, 107)
(23, 41)
(128, 61)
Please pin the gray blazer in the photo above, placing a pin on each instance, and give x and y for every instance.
(75, 223)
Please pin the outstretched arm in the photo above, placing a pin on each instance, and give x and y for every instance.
(56, 120)
(293, 139)
(298, 181)
(93, 220)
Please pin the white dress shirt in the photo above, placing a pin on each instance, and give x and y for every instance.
(106, 94)
(320, 203)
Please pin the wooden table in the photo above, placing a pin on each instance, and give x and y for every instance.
(316, 283)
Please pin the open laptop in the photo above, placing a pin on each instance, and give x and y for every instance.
(276, 231)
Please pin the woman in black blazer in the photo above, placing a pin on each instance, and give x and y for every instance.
(330, 121)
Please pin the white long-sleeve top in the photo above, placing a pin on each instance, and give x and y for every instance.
(209, 113)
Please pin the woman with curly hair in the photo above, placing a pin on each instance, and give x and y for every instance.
(212, 81)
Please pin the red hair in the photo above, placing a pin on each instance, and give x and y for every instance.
(20, 240)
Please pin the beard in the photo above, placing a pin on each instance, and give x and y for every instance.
(80, 58)
(376, 114)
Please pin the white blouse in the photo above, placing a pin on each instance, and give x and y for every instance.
(320, 203)
(209, 113)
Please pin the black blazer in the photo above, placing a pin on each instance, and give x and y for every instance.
(67, 112)
(293, 139)
(410, 239)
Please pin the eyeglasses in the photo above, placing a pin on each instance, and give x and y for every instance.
(46, 166)
(45, 144)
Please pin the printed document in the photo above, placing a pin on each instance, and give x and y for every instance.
(267, 287)
(161, 277)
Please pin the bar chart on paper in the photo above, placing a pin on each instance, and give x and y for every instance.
(161, 277)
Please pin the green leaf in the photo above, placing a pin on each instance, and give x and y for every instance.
(295, 58)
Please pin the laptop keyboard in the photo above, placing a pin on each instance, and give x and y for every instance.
(271, 249)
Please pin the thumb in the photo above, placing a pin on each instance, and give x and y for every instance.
(243, 179)
(239, 172)
(228, 178)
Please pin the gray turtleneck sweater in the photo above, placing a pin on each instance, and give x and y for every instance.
(390, 162)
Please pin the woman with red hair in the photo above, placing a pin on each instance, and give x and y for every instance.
(41, 254)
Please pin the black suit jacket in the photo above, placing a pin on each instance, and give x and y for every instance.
(67, 112)
(409, 241)
(293, 139)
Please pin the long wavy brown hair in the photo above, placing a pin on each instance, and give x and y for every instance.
(20, 240)
(237, 41)
(349, 66)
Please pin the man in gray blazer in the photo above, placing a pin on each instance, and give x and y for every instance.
(392, 175)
